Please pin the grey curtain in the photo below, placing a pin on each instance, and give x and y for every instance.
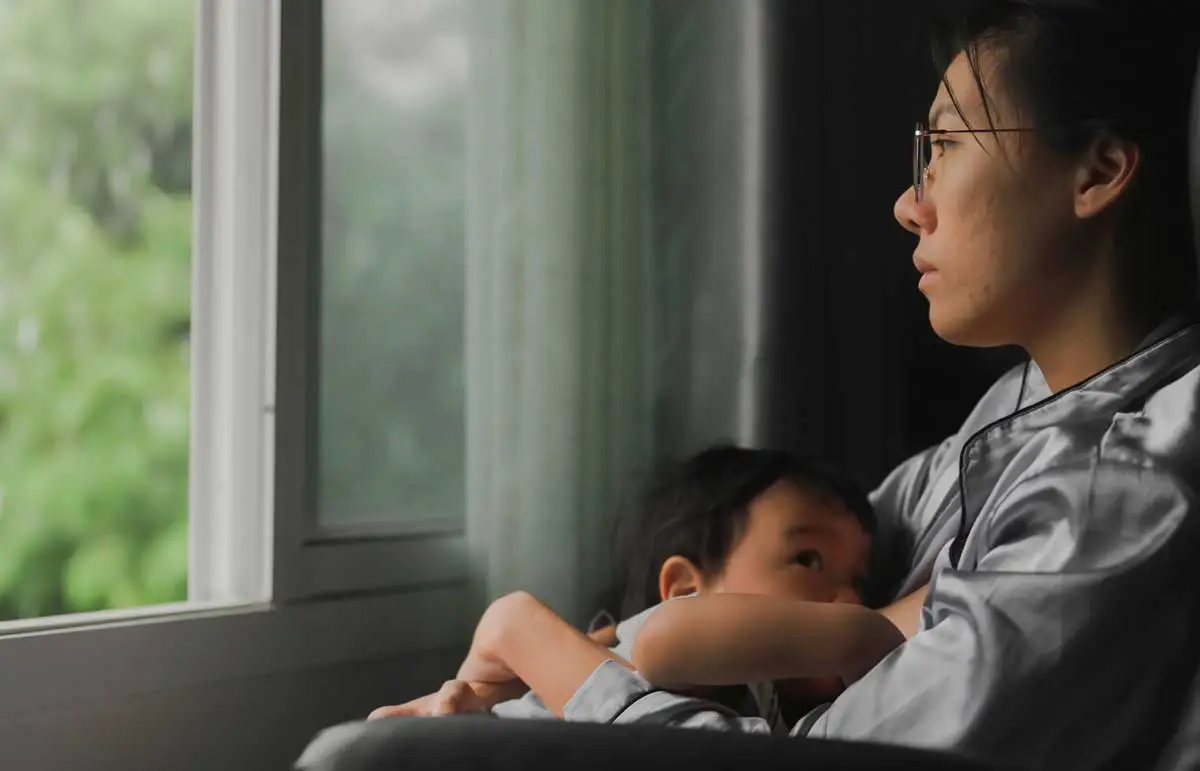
(615, 277)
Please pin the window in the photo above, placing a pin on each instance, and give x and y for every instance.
(95, 295)
(453, 264)
(393, 265)
(134, 403)
(249, 565)
(371, 288)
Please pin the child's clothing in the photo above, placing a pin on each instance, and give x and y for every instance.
(750, 708)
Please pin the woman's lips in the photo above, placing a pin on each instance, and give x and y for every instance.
(927, 271)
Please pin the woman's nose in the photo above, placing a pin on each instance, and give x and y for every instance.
(916, 218)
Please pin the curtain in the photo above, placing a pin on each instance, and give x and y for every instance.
(614, 269)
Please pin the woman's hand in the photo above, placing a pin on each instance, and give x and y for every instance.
(455, 697)
(905, 613)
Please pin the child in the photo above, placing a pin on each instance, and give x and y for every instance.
(728, 521)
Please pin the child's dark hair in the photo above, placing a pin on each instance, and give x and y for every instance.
(697, 509)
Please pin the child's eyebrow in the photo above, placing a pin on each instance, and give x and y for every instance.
(795, 531)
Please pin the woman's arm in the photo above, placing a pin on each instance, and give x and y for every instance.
(726, 639)
(1050, 635)
(895, 502)
(905, 613)
(519, 636)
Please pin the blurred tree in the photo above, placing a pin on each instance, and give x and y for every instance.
(95, 279)
(95, 241)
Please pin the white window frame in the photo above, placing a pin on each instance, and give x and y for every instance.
(233, 301)
(268, 591)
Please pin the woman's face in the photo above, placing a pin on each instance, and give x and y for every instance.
(997, 221)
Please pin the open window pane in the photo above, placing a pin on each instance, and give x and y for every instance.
(95, 281)
(393, 256)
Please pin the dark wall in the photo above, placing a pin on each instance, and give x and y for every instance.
(857, 373)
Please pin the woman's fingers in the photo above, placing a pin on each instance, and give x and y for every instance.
(453, 698)
(422, 707)
(395, 710)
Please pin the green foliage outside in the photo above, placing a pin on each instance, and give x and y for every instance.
(95, 283)
(95, 277)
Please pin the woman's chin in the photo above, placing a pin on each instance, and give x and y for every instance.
(961, 329)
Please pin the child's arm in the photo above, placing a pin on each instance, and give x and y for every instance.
(520, 637)
(728, 639)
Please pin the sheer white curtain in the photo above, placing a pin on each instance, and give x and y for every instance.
(613, 257)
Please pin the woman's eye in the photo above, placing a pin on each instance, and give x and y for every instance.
(810, 559)
(940, 145)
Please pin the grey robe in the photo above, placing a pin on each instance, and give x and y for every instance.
(1060, 630)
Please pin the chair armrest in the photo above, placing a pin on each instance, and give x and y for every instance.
(490, 744)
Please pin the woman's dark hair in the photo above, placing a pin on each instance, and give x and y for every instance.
(1078, 68)
(697, 509)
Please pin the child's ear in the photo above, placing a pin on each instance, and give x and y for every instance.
(679, 577)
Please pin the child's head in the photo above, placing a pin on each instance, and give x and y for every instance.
(751, 522)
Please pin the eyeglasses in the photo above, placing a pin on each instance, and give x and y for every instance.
(923, 151)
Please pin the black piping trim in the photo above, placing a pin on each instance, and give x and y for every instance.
(963, 528)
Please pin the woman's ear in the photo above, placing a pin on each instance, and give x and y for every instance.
(679, 577)
(1107, 171)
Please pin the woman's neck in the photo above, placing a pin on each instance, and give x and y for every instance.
(1087, 341)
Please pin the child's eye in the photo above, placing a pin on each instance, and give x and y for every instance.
(810, 559)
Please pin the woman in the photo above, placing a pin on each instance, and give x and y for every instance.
(1058, 528)
(1059, 525)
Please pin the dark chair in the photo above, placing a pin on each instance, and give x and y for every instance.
(484, 743)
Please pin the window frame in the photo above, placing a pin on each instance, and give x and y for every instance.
(312, 561)
(233, 299)
(267, 593)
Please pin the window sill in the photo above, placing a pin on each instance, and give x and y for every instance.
(105, 657)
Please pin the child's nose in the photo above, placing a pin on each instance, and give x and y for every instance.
(849, 595)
